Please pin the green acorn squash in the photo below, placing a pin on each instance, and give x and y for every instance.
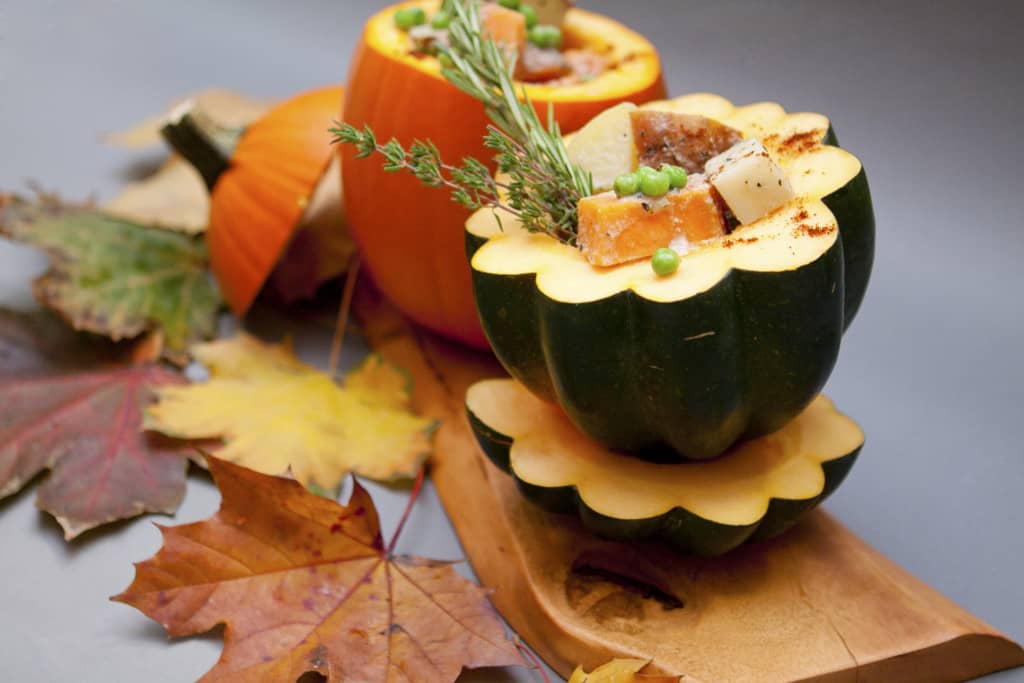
(761, 488)
(732, 346)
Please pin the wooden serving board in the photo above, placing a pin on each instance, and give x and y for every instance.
(817, 604)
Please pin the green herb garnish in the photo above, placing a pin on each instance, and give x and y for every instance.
(543, 187)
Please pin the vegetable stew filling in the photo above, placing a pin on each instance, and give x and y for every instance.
(666, 182)
(530, 30)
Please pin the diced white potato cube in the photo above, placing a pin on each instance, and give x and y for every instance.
(680, 245)
(749, 182)
(604, 147)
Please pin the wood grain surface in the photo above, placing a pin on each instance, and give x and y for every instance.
(817, 604)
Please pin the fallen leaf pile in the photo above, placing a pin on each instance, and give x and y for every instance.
(303, 584)
(300, 582)
(71, 405)
(276, 414)
(115, 277)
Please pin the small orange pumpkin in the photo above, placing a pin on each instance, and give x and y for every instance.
(411, 236)
(276, 209)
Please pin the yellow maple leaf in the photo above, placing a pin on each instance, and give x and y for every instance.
(619, 671)
(276, 413)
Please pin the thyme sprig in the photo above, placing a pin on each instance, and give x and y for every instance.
(471, 184)
(543, 186)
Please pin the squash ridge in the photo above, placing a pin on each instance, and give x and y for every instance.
(816, 456)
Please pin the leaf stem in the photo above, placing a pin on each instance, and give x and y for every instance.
(532, 661)
(343, 315)
(416, 488)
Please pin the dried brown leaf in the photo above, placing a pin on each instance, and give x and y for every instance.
(303, 584)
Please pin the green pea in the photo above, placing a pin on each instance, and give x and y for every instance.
(645, 171)
(676, 176)
(655, 184)
(627, 184)
(510, 4)
(530, 14)
(665, 262)
(546, 36)
(441, 21)
(410, 17)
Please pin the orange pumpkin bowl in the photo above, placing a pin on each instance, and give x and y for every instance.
(411, 236)
(275, 205)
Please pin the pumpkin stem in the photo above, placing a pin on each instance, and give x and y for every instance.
(206, 144)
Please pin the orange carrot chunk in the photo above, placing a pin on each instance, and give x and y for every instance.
(614, 230)
(504, 26)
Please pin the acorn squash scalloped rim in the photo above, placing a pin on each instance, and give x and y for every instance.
(795, 140)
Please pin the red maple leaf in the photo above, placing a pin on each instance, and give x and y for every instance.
(64, 407)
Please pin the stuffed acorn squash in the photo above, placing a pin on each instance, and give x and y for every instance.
(758, 490)
(733, 345)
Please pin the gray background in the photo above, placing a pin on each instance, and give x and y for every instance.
(927, 94)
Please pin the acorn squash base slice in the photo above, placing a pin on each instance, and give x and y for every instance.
(754, 491)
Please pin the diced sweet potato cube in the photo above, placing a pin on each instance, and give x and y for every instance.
(614, 230)
(504, 26)
(686, 140)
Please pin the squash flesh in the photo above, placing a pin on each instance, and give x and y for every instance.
(768, 245)
(545, 451)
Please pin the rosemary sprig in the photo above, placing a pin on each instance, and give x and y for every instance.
(544, 186)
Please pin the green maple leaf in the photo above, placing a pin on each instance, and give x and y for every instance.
(114, 277)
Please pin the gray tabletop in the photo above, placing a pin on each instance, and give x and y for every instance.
(927, 94)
